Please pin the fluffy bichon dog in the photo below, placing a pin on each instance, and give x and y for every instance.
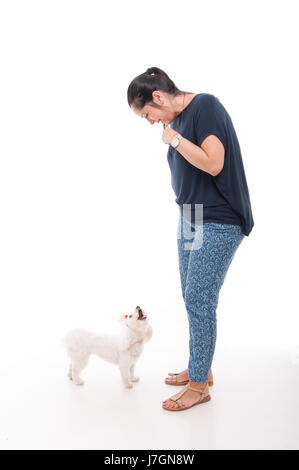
(123, 350)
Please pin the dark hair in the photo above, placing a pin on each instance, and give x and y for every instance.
(141, 88)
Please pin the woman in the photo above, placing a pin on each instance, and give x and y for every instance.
(211, 191)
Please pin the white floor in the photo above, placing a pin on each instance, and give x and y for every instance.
(254, 405)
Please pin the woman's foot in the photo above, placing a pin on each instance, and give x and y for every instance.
(183, 376)
(189, 398)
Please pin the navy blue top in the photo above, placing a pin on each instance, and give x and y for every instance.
(225, 197)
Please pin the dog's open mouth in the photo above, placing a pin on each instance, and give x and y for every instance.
(141, 315)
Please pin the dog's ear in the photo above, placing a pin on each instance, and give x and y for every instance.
(148, 333)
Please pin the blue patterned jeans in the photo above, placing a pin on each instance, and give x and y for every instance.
(203, 264)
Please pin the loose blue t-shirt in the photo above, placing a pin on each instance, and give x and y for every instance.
(225, 197)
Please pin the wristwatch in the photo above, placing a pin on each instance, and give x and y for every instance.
(176, 140)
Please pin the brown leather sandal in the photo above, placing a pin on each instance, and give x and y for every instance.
(182, 406)
(173, 380)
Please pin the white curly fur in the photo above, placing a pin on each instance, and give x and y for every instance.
(123, 350)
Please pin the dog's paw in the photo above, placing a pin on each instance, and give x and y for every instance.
(128, 385)
(78, 381)
(134, 379)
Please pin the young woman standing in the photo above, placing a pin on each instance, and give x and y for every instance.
(209, 182)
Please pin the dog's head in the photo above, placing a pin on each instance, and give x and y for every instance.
(137, 319)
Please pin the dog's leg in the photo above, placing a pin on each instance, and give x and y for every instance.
(70, 373)
(132, 378)
(77, 367)
(124, 364)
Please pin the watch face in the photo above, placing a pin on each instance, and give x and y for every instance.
(175, 142)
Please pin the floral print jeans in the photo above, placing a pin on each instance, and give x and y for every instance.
(203, 264)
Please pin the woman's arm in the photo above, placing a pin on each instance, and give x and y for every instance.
(209, 157)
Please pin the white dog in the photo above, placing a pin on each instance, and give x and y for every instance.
(123, 350)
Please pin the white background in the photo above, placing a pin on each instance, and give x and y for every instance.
(88, 216)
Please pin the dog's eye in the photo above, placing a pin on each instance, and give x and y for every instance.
(130, 316)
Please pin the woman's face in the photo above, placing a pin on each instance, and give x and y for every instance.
(162, 113)
(152, 114)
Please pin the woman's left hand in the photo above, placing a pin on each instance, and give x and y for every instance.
(168, 135)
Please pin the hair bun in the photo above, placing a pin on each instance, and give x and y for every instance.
(153, 71)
